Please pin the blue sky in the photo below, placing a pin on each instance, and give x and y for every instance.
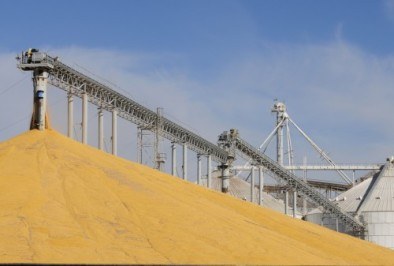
(194, 27)
(331, 61)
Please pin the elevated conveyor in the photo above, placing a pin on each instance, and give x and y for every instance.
(76, 83)
(294, 182)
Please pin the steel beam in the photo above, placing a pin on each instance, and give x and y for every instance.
(343, 167)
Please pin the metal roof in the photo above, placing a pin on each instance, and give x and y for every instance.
(374, 194)
(351, 199)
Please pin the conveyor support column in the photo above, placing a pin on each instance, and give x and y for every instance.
(173, 159)
(294, 203)
(114, 132)
(101, 129)
(286, 201)
(84, 118)
(261, 185)
(70, 118)
(252, 184)
(199, 169)
(209, 171)
(184, 167)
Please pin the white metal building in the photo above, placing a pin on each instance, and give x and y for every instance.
(372, 202)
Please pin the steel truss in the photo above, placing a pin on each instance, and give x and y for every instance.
(76, 83)
(291, 180)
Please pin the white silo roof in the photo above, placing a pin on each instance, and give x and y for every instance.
(350, 200)
(374, 194)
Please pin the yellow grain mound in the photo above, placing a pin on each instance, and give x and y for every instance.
(64, 202)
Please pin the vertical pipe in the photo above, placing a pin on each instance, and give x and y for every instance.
(280, 110)
(336, 224)
(209, 171)
(286, 201)
(84, 118)
(252, 184)
(70, 118)
(156, 144)
(294, 203)
(114, 132)
(184, 167)
(279, 140)
(261, 185)
(139, 145)
(173, 159)
(199, 169)
(101, 129)
(40, 79)
(225, 178)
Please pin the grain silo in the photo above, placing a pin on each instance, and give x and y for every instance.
(372, 202)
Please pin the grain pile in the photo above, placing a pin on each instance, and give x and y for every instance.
(64, 202)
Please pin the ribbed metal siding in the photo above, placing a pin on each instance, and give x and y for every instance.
(380, 228)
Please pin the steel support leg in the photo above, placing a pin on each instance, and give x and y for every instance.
(139, 145)
(114, 132)
(184, 168)
(261, 185)
(199, 169)
(286, 201)
(70, 117)
(101, 129)
(173, 159)
(84, 118)
(294, 203)
(209, 171)
(252, 184)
